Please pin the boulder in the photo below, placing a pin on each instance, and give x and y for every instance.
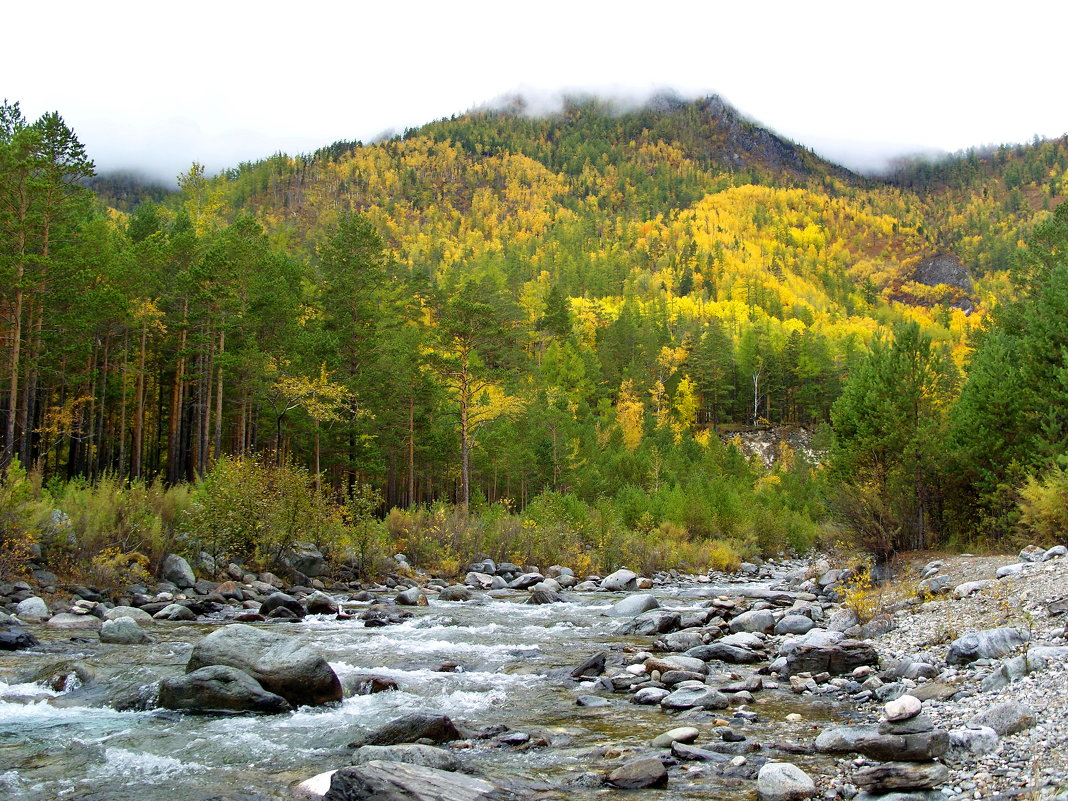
(699, 696)
(656, 621)
(397, 781)
(1055, 552)
(175, 612)
(413, 596)
(281, 600)
(525, 581)
(281, 664)
(891, 776)
(357, 684)
(15, 638)
(177, 571)
(619, 581)
(633, 605)
(724, 652)
(592, 667)
(140, 615)
(66, 620)
(680, 641)
(1032, 553)
(431, 726)
(319, 603)
(32, 609)
(867, 740)
(756, 620)
(782, 781)
(307, 559)
(650, 696)
(1010, 570)
(428, 756)
(219, 688)
(1007, 718)
(838, 659)
(970, 587)
(456, 592)
(987, 644)
(683, 734)
(794, 624)
(639, 774)
(544, 596)
(123, 631)
(971, 741)
(481, 581)
(935, 585)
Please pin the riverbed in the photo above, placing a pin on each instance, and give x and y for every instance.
(512, 658)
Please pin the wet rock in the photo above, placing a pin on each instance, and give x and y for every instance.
(177, 571)
(431, 726)
(367, 685)
(32, 609)
(175, 612)
(397, 781)
(1007, 718)
(656, 621)
(639, 774)
(891, 776)
(544, 596)
(782, 781)
(690, 697)
(987, 644)
(619, 581)
(315, 788)
(456, 592)
(281, 600)
(219, 688)
(592, 667)
(428, 756)
(319, 603)
(971, 741)
(650, 696)
(633, 605)
(693, 753)
(525, 581)
(413, 596)
(15, 638)
(281, 664)
(123, 631)
(682, 734)
(592, 701)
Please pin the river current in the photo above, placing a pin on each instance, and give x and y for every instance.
(512, 656)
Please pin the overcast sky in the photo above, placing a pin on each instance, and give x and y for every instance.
(154, 86)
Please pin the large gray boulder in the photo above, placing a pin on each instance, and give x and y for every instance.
(756, 620)
(281, 600)
(782, 781)
(307, 559)
(838, 659)
(281, 664)
(633, 605)
(868, 740)
(177, 571)
(1007, 718)
(140, 615)
(396, 781)
(68, 620)
(655, 621)
(639, 773)
(219, 688)
(619, 581)
(987, 644)
(32, 609)
(123, 631)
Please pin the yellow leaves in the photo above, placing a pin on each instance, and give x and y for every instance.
(494, 403)
(147, 314)
(630, 414)
(322, 399)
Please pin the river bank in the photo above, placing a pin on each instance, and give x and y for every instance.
(78, 717)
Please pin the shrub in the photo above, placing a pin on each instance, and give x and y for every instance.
(24, 510)
(1044, 506)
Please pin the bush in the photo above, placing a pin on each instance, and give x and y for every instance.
(1044, 507)
(24, 511)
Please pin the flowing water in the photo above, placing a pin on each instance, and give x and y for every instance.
(69, 745)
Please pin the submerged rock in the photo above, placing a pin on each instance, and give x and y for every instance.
(639, 773)
(428, 756)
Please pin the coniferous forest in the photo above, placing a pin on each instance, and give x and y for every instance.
(535, 338)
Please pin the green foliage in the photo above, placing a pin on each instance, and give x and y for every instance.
(253, 510)
(1044, 506)
(24, 511)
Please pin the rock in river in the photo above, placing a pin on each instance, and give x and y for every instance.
(633, 605)
(218, 688)
(782, 781)
(397, 781)
(622, 579)
(428, 756)
(15, 638)
(431, 726)
(281, 664)
(123, 631)
(639, 773)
